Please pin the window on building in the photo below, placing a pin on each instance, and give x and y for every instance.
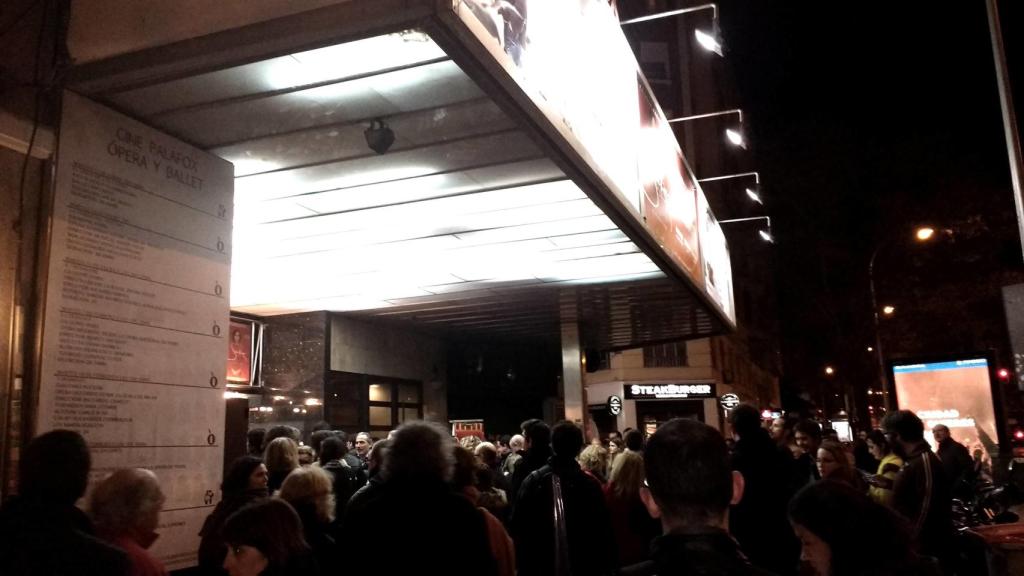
(372, 403)
(665, 355)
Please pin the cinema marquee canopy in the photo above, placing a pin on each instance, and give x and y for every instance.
(532, 178)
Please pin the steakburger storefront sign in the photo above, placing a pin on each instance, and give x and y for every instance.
(668, 391)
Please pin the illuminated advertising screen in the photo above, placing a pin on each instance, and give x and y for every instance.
(714, 252)
(957, 393)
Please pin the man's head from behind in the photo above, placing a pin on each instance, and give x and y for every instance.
(54, 468)
(689, 481)
(537, 435)
(566, 440)
(745, 421)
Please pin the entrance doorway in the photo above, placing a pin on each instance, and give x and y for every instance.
(651, 414)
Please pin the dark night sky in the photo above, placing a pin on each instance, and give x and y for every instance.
(869, 117)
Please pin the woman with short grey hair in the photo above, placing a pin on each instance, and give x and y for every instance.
(125, 507)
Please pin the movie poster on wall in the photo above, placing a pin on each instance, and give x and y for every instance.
(715, 259)
(669, 204)
(240, 353)
(136, 313)
(575, 64)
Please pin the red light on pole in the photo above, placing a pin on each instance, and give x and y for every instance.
(1018, 434)
(1003, 374)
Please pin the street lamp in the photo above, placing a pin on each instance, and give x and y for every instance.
(830, 370)
(753, 191)
(733, 134)
(766, 234)
(709, 40)
(922, 234)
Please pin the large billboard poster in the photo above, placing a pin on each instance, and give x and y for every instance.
(574, 62)
(957, 393)
(717, 263)
(669, 204)
(136, 315)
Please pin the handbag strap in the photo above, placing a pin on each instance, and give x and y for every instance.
(562, 567)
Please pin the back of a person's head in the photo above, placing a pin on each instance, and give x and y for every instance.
(745, 420)
(322, 426)
(316, 439)
(566, 440)
(236, 480)
(634, 440)
(254, 439)
(271, 526)
(809, 428)
(128, 499)
(464, 470)
(332, 448)
(281, 431)
(310, 488)
(54, 468)
(688, 472)
(282, 454)
(627, 474)
(538, 433)
(487, 453)
(517, 442)
(906, 424)
(594, 458)
(878, 438)
(419, 451)
(862, 535)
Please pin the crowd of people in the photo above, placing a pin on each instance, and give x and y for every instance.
(785, 499)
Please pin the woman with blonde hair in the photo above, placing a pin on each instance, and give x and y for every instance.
(310, 492)
(634, 527)
(125, 508)
(281, 457)
(594, 461)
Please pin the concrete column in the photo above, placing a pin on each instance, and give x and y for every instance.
(573, 395)
(572, 373)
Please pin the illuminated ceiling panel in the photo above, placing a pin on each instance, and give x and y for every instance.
(464, 223)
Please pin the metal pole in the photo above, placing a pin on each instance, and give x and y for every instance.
(737, 111)
(883, 374)
(1009, 116)
(757, 177)
(712, 7)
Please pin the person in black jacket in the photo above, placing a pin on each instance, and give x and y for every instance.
(345, 480)
(537, 440)
(956, 461)
(690, 487)
(407, 519)
(42, 533)
(309, 492)
(582, 543)
(758, 521)
(921, 491)
(245, 482)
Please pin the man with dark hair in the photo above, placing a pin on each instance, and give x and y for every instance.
(282, 431)
(690, 486)
(577, 538)
(808, 439)
(254, 442)
(537, 442)
(41, 530)
(758, 521)
(921, 491)
(634, 441)
(413, 506)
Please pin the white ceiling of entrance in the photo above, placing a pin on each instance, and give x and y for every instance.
(462, 205)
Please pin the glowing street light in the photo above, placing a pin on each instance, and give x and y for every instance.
(925, 234)
(871, 348)
(753, 192)
(734, 134)
(888, 310)
(830, 370)
(766, 235)
(709, 40)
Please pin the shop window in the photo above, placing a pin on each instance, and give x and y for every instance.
(665, 355)
(376, 404)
